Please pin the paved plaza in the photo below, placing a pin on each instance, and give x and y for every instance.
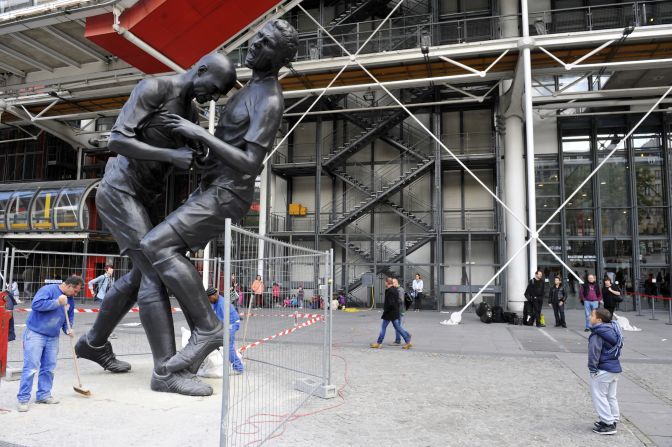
(469, 385)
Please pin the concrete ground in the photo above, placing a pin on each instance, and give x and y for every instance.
(466, 385)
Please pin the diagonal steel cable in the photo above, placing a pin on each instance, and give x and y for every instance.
(534, 235)
(324, 90)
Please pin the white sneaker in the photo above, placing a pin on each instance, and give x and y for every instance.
(48, 401)
(23, 407)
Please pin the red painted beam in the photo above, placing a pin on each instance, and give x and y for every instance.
(182, 30)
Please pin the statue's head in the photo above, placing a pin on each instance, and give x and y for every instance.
(273, 46)
(214, 76)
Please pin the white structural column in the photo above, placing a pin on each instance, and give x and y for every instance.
(514, 178)
(529, 138)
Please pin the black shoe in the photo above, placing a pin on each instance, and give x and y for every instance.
(198, 348)
(586, 330)
(605, 429)
(565, 326)
(602, 424)
(541, 325)
(180, 382)
(102, 355)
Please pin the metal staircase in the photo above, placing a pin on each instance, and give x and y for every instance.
(374, 128)
(354, 207)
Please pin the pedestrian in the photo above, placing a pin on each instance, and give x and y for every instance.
(10, 303)
(604, 348)
(299, 297)
(218, 302)
(342, 299)
(591, 296)
(557, 296)
(100, 285)
(611, 295)
(15, 292)
(402, 309)
(572, 284)
(276, 294)
(418, 287)
(40, 340)
(391, 315)
(534, 294)
(258, 291)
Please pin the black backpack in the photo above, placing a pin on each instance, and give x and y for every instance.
(487, 315)
(482, 307)
(498, 314)
(408, 300)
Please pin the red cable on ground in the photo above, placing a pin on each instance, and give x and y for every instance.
(277, 418)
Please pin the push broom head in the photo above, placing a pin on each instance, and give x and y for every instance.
(82, 391)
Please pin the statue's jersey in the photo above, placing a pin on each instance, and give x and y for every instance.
(143, 117)
(252, 115)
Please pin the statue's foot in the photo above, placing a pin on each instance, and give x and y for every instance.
(180, 382)
(102, 355)
(200, 345)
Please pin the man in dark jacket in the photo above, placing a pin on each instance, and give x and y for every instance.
(556, 298)
(611, 295)
(534, 294)
(391, 314)
(604, 349)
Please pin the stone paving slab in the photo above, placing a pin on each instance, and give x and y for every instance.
(473, 384)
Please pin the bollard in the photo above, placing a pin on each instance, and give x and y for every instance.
(669, 312)
(639, 305)
(653, 309)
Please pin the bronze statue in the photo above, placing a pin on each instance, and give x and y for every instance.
(244, 135)
(126, 201)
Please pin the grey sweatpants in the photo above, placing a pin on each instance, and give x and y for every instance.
(603, 390)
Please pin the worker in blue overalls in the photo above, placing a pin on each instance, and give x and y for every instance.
(218, 302)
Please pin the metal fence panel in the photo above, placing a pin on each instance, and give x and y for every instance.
(284, 337)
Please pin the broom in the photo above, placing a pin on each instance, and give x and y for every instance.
(78, 389)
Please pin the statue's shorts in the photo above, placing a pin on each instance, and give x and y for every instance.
(202, 217)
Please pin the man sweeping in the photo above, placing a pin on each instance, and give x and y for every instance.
(40, 340)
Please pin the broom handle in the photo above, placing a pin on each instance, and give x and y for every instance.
(72, 346)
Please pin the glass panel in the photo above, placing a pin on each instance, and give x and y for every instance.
(615, 222)
(572, 144)
(577, 168)
(649, 179)
(66, 209)
(613, 182)
(547, 263)
(654, 252)
(573, 83)
(580, 222)
(17, 211)
(41, 216)
(654, 281)
(646, 141)
(581, 257)
(553, 228)
(618, 261)
(652, 221)
(4, 199)
(546, 176)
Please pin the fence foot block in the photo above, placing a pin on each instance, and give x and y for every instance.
(12, 374)
(309, 385)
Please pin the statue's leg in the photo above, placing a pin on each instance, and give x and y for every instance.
(190, 227)
(156, 317)
(118, 301)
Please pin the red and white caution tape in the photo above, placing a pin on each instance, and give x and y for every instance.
(81, 310)
(282, 333)
(295, 315)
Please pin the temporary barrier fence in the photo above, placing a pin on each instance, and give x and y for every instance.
(286, 361)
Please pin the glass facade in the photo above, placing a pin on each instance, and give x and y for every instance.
(617, 221)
